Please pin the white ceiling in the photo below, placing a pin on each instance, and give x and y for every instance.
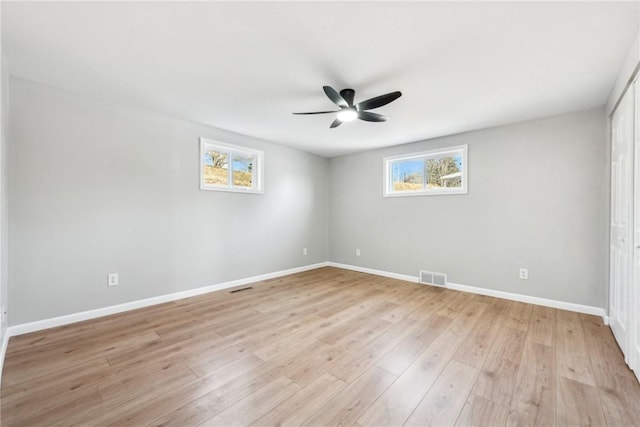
(245, 67)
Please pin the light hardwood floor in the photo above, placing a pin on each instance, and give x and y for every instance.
(324, 347)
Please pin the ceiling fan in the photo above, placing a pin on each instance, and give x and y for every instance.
(349, 111)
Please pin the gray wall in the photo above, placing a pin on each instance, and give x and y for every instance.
(538, 198)
(4, 187)
(97, 188)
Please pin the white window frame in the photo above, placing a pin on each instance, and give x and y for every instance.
(257, 182)
(436, 153)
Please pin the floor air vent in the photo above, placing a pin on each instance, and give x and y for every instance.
(240, 290)
(431, 278)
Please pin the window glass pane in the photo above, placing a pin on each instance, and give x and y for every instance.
(444, 172)
(216, 168)
(433, 172)
(242, 170)
(407, 175)
(226, 167)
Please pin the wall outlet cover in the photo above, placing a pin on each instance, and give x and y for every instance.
(112, 279)
(524, 273)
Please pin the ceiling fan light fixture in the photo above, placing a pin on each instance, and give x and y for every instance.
(349, 111)
(347, 115)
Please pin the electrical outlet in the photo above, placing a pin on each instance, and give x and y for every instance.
(304, 251)
(524, 273)
(4, 313)
(112, 279)
(357, 251)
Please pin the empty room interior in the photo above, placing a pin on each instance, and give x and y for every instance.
(309, 213)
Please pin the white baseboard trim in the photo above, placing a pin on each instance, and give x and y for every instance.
(3, 351)
(114, 309)
(39, 325)
(562, 305)
(404, 277)
(579, 308)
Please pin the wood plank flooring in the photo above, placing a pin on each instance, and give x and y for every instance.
(323, 347)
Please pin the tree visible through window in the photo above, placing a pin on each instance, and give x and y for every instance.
(429, 172)
(216, 168)
(242, 170)
(227, 167)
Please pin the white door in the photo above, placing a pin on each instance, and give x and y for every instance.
(633, 345)
(621, 214)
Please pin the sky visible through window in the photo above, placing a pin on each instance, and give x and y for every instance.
(239, 163)
(405, 168)
(439, 171)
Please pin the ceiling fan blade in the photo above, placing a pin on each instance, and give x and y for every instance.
(318, 112)
(378, 101)
(335, 97)
(348, 95)
(371, 117)
(336, 123)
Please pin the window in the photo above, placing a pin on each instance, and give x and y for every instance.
(442, 171)
(225, 167)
